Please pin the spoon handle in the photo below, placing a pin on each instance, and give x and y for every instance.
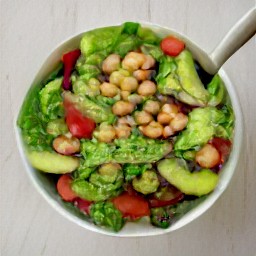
(237, 36)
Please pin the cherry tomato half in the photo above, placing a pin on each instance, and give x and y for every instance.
(83, 205)
(172, 46)
(133, 206)
(223, 146)
(64, 188)
(79, 125)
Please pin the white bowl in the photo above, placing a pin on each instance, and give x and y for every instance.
(143, 227)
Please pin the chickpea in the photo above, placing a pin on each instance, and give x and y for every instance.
(149, 62)
(109, 169)
(124, 72)
(105, 133)
(135, 98)
(133, 61)
(142, 117)
(152, 130)
(162, 98)
(108, 89)
(125, 95)
(128, 120)
(168, 131)
(164, 118)
(147, 88)
(170, 109)
(179, 122)
(208, 156)
(122, 108)
(65, 145)
(142, 75)
(152, 106)
(111, 63)
(129, 84)
(123, 131)
(117, 77)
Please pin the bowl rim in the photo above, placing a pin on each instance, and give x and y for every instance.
(193, 214)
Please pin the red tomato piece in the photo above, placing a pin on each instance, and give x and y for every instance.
(133, 206)
(69, 60)
(64, 188)
(223, 146)
(79, 125)
(83, 205)
(167, 196)
(172, 46)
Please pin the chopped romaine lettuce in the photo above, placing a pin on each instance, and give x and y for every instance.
(203, 125)
(33, 123)
(216, 90)
(178, 77)
(106, 215)
(50, 99)
(90, 192)
(136, 149)
(100, 186)
(99, 112)
(153, 50)
(133, 170)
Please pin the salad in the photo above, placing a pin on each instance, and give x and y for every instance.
(131, 126)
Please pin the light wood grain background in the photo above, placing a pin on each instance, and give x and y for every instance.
(29, 30)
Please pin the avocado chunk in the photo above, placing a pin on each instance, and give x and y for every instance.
(189, 78)
(175, 171)
(147, 183)
(178, 77)
(216, 89)
(52, 162)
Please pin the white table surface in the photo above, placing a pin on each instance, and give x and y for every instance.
(29, 30)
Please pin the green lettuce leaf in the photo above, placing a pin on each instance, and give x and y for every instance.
(130, 28)
(96, 110)
(50, 99)
(32, 120)
(153, 50)
(203, 125)
(148, 36)
(217, 91)
(136, 149)
(96, 153)
(125, 44)
(91, 192)
(100, 39)
(106, 215)
(178, 77)
(133, 170)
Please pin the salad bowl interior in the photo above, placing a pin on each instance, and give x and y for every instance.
(44, 183)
